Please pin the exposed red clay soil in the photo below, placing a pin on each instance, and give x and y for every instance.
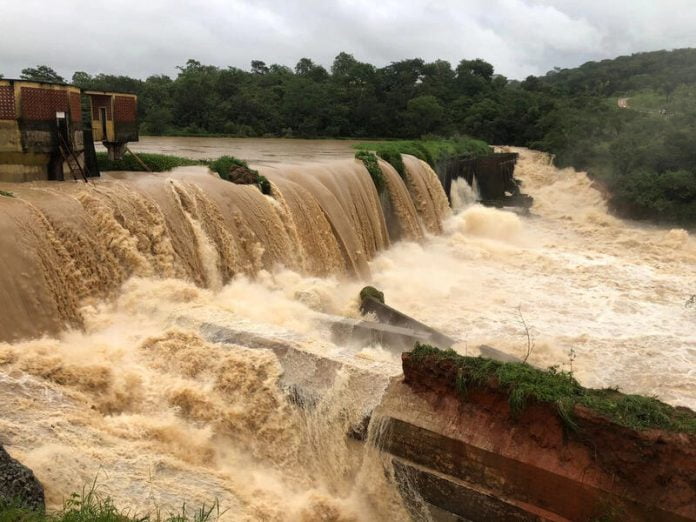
(651, 468)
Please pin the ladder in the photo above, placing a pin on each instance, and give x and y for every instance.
(70, 158)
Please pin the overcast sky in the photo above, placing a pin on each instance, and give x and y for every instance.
(519, 37)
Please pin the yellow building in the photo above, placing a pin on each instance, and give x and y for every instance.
(42, 135)
(114, 119)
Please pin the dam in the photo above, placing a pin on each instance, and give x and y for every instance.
(153, 324)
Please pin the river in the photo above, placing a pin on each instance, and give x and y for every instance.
(256, 151)
(131, 393)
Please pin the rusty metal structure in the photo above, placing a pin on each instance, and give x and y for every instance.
(44, 134)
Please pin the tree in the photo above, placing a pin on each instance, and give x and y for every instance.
(196, 103)
(477, 67)
(308, 69)
(82, 79)
(41, 73)
(474, 77)
(258, 67)
(424, 115)
(158, 120)
(343, 64)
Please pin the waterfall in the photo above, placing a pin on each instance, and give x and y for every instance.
(463, 195)
(64, 244)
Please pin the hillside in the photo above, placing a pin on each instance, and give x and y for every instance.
(645, 153)
(661, 71)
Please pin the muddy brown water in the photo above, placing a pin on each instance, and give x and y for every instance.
(256, 151)
(99, 376)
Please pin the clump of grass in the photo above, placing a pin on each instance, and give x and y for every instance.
(6, 194)
(224, 164)
(525, 384)
(392, 155)
(90, 506)
(155, 162)
(639, 412)
(372, 165)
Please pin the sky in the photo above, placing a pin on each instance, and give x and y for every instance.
(519, 37)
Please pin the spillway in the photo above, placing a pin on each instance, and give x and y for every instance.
(107, 371)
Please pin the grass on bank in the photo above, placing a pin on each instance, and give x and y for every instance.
(429, 150)
(524, 383)
(90, 506)
(156, 162)
(165, 162)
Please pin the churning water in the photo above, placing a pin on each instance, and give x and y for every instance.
(106, 372)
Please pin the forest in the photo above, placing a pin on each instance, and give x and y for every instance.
(643, 155)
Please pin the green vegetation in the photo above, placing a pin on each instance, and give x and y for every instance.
(371, 291)
(643, 155)
(164, 162)
(90, 506)
(406, 99)
(524, 383)
(372, 166)
(7, 194)
(226, 165)
(429, 150)
(156, 162)
(392, 155)
(41, 73)
(264, 185)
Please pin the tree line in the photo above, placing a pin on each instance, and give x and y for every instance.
(405, 99)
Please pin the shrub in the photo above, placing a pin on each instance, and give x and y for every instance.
(371, 291)
(666, 196)
(224, 165)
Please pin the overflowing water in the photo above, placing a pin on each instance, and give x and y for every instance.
(108, 372)
(463, 195)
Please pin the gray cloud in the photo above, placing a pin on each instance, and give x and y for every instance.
(520, 37)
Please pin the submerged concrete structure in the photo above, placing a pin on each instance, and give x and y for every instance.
(43, 135)
(494, 175)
